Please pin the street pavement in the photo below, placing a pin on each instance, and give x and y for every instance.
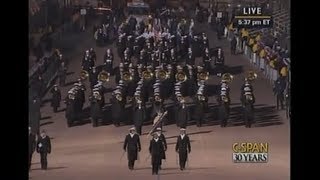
(83, 152)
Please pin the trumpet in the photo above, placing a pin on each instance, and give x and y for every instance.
(252, 75)
(203, 76)
(227, 77)
(147, 75)
(181, 77)
(103, 76)
(84, 74)
(162, 75)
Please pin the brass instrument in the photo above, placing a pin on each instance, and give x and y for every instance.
(71, 96)
(201, 98)
(225, 99)
(179, 98)
(227, 77)
(203, 76)
(157, 98)
(251, 76)
(84, 74)
(181, 76)
(97, 95)
(129, 99)
(249, 97)
(103, 76)
(162, 75)
(119, 97)
(147, 75)
(127, 76)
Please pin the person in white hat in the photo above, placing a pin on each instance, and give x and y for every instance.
(163, 140)
(200, 108)
(44, 148)
(139, 113)
(132, 146)
(156, 151)
(117, 107)
(183, 147)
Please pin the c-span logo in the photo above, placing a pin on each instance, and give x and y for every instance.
(250, 152)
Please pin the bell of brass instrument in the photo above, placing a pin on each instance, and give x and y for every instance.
(162, 75)
(227, 77)
(71, 96)
(119, 97)
(103, 76)
(127, 76)
(181, 76)
(157, 98)
(147, 75)
(251, 76)
(201, 98)
(97, 95)
(203, 76)
(225, 99)
(84, 74)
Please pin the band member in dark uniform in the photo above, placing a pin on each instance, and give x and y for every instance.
(96, 108)
(56, 98)
(108, 61)
(163, 139)
(139, 114)
(224, 104)
(207, 60)
(219, 61)
(44, 148)
(247, 100)
(86, 62)
(233, 45)
(200, 108)
(183, 147)
(93, 77)
(156, 151)
(192, 82)
(132, 146)
(32, 145)
(71, 111)
(279, 88)
(183, 115)
(190, 58)
(117, 107)
(157, 108)
(62, 74)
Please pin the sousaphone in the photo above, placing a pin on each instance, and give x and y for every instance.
(181, 77)
(147, 75)
(84, 74)
(203, 76)
(251, 75)
(227, 77)
(162, 75)
(103, 76)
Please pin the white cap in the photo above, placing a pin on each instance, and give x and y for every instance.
(158, 129)
(132, 129)
(182, 129)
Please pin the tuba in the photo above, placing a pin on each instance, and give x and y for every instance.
(162, 75)
(227, 77)
(203, 76)
(127, 77)
(103, 76)
(147, 75)
(84, 74)
(251, 75)
(181, 77)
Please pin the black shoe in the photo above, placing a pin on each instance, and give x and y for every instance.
(181, 169)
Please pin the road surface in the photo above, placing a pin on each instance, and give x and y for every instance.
(83, 152)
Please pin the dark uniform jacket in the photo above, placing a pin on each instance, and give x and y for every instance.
(183, 145)
(156, 149)
(132, 146)
(117, 108)
(139, 115)
(183, 117)
(56, 98)
(163, 140)
(45, 145)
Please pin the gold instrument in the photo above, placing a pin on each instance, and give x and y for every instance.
(181, 76)
(119, 97)
(129, 99)
(251, 76)
(227, 77)
(71, 96)
(162, 75)
(249, 97)
(203, 76)
(97, 95)
(179, 98)
(147, 75)
(127, 76)
(225, 99)
(137, 98)
(201, 98)
(103, 76)
(84, 74)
